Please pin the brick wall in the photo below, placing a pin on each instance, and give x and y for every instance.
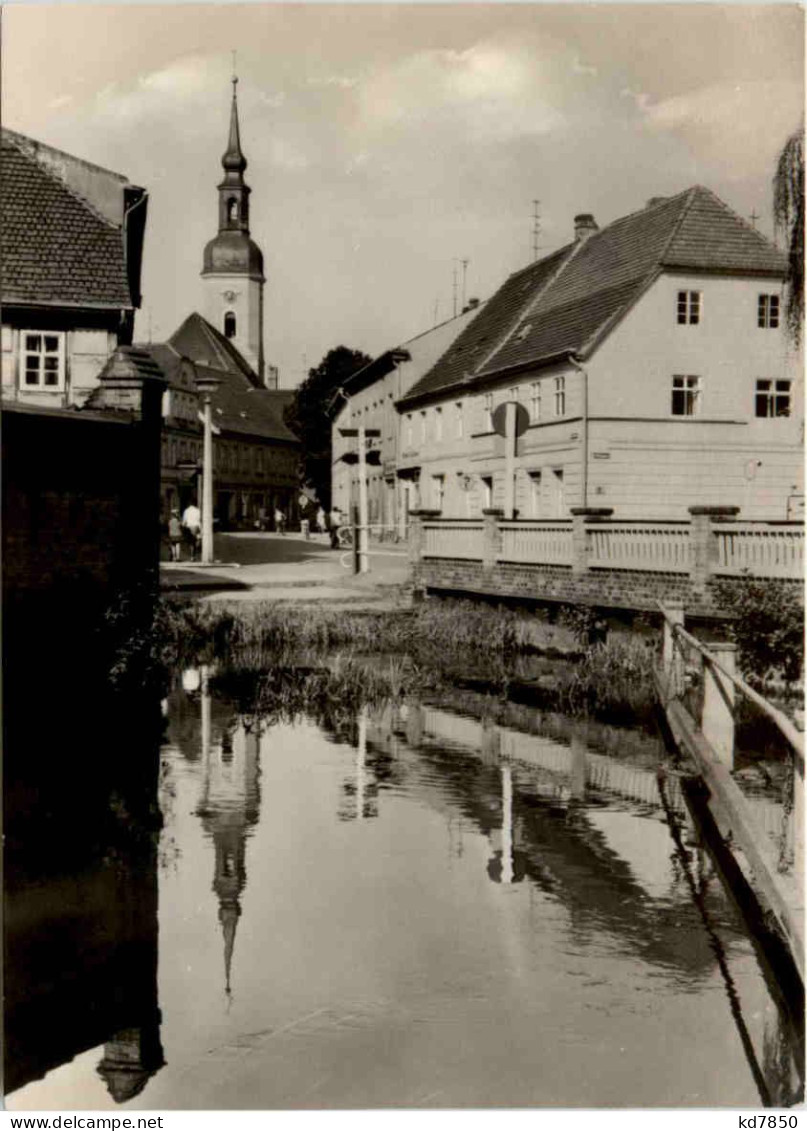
(605, 589)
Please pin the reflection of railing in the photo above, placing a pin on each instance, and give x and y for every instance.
(547, 543)
(453, 540)
(760, 549)
(651, 546)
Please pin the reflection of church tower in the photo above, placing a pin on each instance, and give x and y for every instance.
(229, 808)
(233, 263)
(130, 1059)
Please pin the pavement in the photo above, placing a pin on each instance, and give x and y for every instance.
(290, 568)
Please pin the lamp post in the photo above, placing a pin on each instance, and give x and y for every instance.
(363, 435)
(207, 385)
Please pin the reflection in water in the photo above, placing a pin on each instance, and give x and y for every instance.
(425, 889)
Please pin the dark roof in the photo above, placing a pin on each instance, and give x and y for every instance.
(240, 404)
(56, 248)
(565, 303)
(481, 336)
(202, 343)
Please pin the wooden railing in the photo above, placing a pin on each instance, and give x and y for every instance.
(759, 548)
(542, 543)
(453, 540)
(652, 546)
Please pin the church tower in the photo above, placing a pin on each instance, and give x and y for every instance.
(232, 269)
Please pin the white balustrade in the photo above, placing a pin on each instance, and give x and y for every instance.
(453, 540)
(660, 547)
(759, 549)
(539, 543)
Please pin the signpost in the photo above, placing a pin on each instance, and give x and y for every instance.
(510, 420)
(362, 434)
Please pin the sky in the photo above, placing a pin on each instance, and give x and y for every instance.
(388, 142)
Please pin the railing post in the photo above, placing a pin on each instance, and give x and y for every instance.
(415, 537)
(703, 552)
(491, 538)
(580, 548)
(717, 718)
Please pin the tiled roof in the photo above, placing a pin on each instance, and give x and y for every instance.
(240, 403)
(565, 303)
(203, 343)
(56, 248)
(481, 336)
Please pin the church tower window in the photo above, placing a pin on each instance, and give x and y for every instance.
(232, 210)
(229, 324)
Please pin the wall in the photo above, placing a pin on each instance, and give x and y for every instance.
(86, 352)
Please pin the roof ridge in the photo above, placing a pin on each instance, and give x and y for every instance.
(573, 249)
(12, 137)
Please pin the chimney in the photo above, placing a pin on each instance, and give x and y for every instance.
(584, 226)
(654, 200)
(471, 304)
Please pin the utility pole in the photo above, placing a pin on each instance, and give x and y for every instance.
(536, 228)
(207, 386)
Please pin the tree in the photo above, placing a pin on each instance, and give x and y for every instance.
(788, 215)
(311, 413)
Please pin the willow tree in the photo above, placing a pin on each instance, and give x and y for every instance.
(788, 215)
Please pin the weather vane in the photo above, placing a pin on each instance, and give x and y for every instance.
(235, 76)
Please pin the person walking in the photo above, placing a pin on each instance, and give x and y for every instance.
(175, 535)
(192, 522)
(335, 523)
(280, 521)
(322, 524)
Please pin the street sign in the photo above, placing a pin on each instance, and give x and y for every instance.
(500, 418)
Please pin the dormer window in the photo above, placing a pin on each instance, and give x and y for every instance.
(229, 324)
(232, 210)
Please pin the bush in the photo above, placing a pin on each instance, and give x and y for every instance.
(768, 628)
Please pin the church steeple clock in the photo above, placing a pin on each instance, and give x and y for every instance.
(232, 269)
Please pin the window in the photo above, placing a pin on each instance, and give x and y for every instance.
(232, 209)
(423, 427)
(560, 396)
(459, 423)
(686, 395)
(42, 361)
(535, 402)
(410, 431)
(768, 313)
(438, 424)
(487, 425)
(773, 398)
(487, 492)
(229, 324)
(438, 491)
(535, 494)
(689, 308)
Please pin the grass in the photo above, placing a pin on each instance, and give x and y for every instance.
(276, 658)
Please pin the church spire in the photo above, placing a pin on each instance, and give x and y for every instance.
(234, 161)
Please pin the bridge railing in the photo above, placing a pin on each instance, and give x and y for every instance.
(712, 544)
(542, 543)
(762, 549)
(653, 546)
(453, 540)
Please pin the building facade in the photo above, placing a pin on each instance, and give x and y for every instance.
(72, 243)
(647, 370)
(369, 399)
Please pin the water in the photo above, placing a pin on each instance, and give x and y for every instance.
(415, 907)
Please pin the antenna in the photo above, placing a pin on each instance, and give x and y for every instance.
(455, 284)
(235, 76)
(536, 228)
(754, 217)
(436, 310)
(464, 263)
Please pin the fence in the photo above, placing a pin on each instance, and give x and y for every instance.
(547, 542)
(590, 541)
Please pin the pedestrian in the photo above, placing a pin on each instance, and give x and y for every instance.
(175, 535)
(336, 522)
(322, 524)
(280, 521)
(192, 522)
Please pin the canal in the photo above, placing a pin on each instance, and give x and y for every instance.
(408, 906)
